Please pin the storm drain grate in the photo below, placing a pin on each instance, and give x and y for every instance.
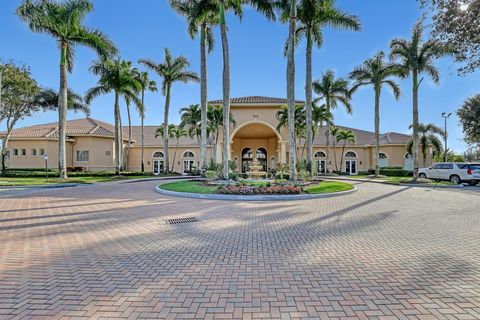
(182, 220)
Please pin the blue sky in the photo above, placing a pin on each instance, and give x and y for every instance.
(142, 28)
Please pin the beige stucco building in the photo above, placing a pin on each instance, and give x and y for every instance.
(90, 144)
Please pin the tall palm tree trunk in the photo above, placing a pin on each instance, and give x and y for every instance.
(308, 98)
(327, 139)
(142, 116)
(127, 154)
(291, 89)
(341, 158)
(175, 153)
(334, 155)
(121, 139)
(203, 100)
(415, 125)
(118, 157)
(165, 128)
(377, 130)
(62, 113)
(226, 92)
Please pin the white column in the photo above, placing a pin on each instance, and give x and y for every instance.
(283, 152)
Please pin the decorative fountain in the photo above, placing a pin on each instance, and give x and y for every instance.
(255, 170)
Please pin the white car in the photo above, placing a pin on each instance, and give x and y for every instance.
(455, 172)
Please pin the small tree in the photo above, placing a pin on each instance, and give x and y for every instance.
(428, 136)
(469, 115)
(19, 100)
(345, 136)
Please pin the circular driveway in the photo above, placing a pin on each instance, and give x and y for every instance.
(107, 251)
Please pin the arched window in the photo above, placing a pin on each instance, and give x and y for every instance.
(247, 158)
(261, 154)
(158, 154)
(350, 154)
(382, 155)
(188, 154)
(320, 154)
(408, 156)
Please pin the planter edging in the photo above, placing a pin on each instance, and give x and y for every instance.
(286, 197)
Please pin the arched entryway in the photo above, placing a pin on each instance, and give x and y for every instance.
(256, 141)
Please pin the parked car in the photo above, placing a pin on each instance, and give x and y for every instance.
(455, 172)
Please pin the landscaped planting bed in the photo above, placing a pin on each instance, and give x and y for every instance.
(256, 188)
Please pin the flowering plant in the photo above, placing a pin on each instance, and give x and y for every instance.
(264, 190)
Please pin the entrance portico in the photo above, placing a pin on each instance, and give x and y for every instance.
(257, 140)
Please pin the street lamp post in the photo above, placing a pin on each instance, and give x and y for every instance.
(46, 166)
(446, 115)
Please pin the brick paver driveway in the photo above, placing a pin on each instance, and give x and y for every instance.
(105, 252)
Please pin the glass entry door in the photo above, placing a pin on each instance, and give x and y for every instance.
(158, 166)
(321, 166)
(351, 167)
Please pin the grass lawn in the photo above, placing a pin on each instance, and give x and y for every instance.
(36, 181)
(398, 180)
(328, 187)
(189, 186)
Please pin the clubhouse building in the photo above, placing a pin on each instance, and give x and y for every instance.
(90, 144)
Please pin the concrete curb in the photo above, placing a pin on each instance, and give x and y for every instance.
(157, 179)
(395, 184)
(254, 197)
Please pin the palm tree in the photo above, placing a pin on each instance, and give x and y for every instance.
(200, 18)
(333, 131)
(291, 108)
(48, 100)
(333, 91)
(345, 136)
(119, 77)
(283, 118)
(176, 132)
(150, 85)
(63, 21)
(377, 73)
(428, 134)
(173, 69)
(263, 6)
(313, 16)
(417, 58)
(320, 116)
(191, 118)
(215, 121)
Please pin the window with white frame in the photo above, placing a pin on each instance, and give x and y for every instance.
(350, 154)
(42, 152)
(382, 155)
(15, 152)
(34, 152)
(24, 152)
(320, 154)
(82, 155)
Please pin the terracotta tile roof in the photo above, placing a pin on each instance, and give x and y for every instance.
(93, 127)
(256, 100)
(151, 141)
(363, 137)
(79, 127)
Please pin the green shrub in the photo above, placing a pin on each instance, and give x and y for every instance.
(233, 176)
(211, 175)
(304, 175)
(389, 172)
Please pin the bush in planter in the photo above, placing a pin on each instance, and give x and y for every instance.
(233, 176)
(211, 175)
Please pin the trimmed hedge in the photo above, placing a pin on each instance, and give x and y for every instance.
(391, 172)
(52, 173)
